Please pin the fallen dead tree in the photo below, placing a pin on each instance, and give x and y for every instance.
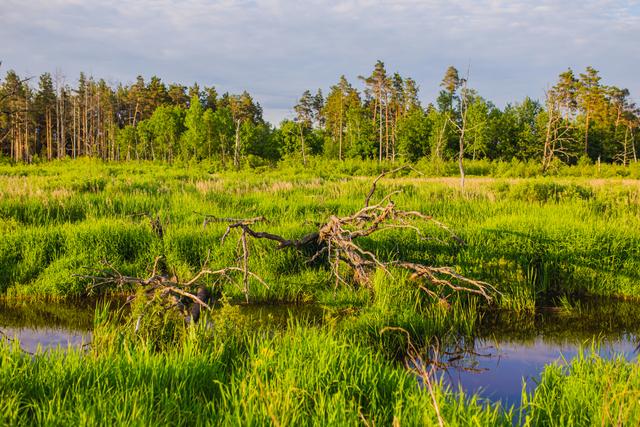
(337, 241)
(189, 296)
(334, 243)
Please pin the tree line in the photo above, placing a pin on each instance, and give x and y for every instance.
(580, 117)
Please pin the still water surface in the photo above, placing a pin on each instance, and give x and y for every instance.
(46, 325)
(509, 352)
(504, 366)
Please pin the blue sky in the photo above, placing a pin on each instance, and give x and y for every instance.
(275, 49)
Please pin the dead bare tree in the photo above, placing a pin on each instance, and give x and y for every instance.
(243, 226)
(336, 240)
(462, 125)
(335, 243)
(558, 131)
(170, 289)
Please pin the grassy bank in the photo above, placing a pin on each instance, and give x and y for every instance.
(589, 391)
(233, 373)
(224, 376)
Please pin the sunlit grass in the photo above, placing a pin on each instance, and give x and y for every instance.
(297, 376)
(536, 239)
(532, 237)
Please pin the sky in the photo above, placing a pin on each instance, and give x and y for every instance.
(275, 49)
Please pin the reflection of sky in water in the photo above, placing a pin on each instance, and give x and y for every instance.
(46, 338)
(510, 363)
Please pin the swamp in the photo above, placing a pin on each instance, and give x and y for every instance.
(334, 293)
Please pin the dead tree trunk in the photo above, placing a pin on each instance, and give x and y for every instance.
(334, 244)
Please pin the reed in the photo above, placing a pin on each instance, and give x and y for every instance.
(534, 238)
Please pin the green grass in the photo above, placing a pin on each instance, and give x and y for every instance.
(233, 373)
(589, 391)
(533, 237)
(301, 376)
(537, 239)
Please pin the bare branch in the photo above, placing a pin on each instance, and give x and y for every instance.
(382, 175)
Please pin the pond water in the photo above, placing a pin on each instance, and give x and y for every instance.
(46, 324)
(506, 352)
(504, 366)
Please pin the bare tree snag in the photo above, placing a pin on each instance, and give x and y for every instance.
(336, 239)
(335, 242)
(170, 289)
(558, 131)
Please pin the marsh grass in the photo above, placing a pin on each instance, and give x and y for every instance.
(589, 390)
(534, 238)
(537, 239)
(222, 374)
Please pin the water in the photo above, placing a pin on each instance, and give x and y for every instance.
(45, 338)
(46, 324)
(499, 374)
(508, 353)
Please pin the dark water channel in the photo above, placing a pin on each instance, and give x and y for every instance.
(506, 352)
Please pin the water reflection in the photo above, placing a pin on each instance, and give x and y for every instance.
(31, 339)
(500, 374)
(46, 324)
(509, 351)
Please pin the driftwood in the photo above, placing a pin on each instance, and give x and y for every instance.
(337, 241)
(170, 289)
(334, 243)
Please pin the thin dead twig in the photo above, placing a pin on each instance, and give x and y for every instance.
(382, 175)
(415, 363)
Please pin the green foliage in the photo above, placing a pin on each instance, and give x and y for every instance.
(167, 125)
(148, 120)
(590, 390)
(194, 138)
(302, 376)
(414, 132)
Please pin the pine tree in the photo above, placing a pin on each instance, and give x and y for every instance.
(590, 99)
(377, 88)
(342, 97)
(44, 106)
(304, 109)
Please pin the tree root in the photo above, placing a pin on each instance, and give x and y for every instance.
(336, 240)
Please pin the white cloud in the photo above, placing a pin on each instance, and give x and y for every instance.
(276, 48)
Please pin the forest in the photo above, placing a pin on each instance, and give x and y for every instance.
(580, 119)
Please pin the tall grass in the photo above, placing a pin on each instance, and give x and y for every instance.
(534, 238)
(227, 371)
(589, 391)
(225, 375)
